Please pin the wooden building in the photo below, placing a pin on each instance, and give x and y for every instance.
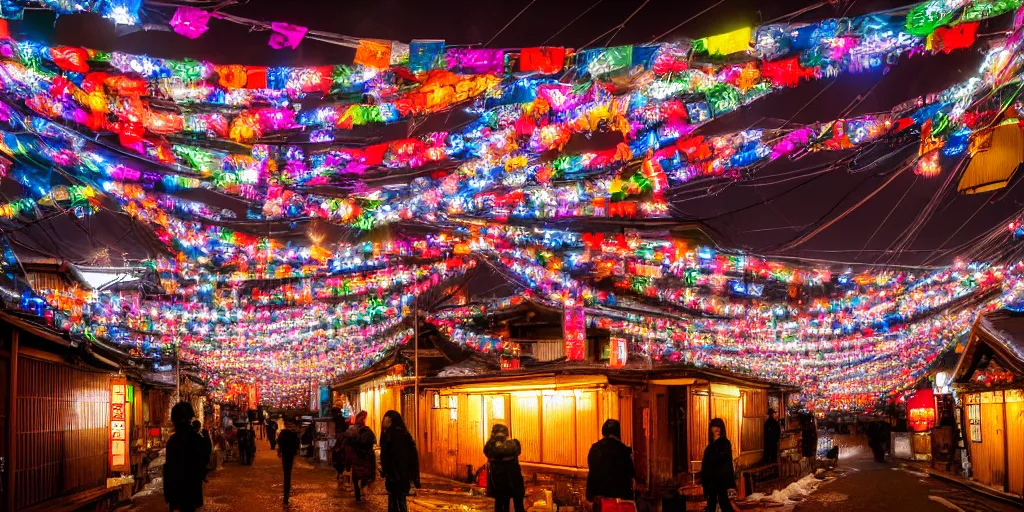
(990, 379)
(389, 384)
(556, 411)
(555, 416)
(58, 438)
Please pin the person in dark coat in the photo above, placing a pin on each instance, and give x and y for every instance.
(809, 438)
(611, 467)
(247, 449)
(716, 471)
(287, 449)
(272, 433)
(504, 476)
(207, 447)
(875, 441)
(359, 454)
(184, 468)
(772, 434)
(399, 461)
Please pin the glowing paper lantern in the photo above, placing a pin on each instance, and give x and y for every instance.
(995, 156)
(286, 35)
(190, 21)
(921, 410)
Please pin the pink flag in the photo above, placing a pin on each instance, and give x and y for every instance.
(190, 21)
(286, 35)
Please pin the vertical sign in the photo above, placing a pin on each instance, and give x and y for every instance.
(618, 352)
(575, 330)
(119, 424)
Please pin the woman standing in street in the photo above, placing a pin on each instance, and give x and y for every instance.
(504, 476)
(399, 461)
(716, 471)
(359, 441)
(184, 469)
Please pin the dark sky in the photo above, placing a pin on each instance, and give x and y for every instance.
(759, 214)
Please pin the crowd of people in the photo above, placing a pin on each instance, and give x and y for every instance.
(610, 485)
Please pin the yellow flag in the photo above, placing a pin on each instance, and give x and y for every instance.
(730, 42)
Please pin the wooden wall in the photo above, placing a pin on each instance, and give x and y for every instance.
(555, 428)
(61, 435)
(1015, 439)
(755, 411)
(996, 457)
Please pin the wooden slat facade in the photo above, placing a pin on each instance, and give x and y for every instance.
(61, 434)
(555, 427)
(755, 410)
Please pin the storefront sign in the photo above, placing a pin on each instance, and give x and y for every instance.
(619, 352)
(119, 425)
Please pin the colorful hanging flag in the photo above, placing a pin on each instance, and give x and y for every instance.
(478, 61)
(399, 53)
(545, 60)
(373, 54)
(947, 39)
(70, 58)
(190, 21)
(425, 55)
(611, 59)
(725, 44)
(256, 77)
(286, 35)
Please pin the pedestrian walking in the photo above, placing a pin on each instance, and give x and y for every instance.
(716, 471)
(261, 421)
(272, 433)
(611, 467)
(399, 461)
(250, 417)
(247, 446)
(287, 449)
(504, 476)
(184, 469)
(359, 454)
(772, 434)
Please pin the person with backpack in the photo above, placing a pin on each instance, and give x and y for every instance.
(359, 454)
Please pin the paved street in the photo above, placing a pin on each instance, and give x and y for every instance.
(872, 486)
(258, 488)
(866, 486)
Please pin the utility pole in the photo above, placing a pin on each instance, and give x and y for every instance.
(416, 364)
(177, 374)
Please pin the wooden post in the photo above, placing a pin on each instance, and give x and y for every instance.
(1006, 450)
(12, 421)
(416, 366)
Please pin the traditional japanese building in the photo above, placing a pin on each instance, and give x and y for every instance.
(990, 379)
